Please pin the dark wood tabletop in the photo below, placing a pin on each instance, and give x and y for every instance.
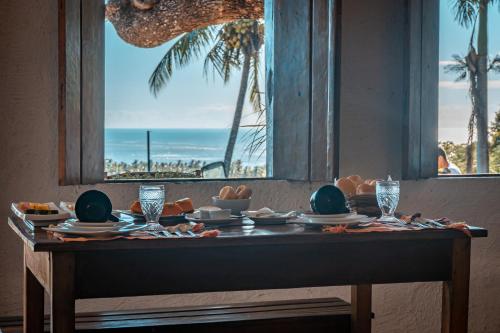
(244, 257)
(239, 235)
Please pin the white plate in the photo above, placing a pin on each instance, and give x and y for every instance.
(93, 226)
(62, 215)
(77, 223)
(233, 218)
(328, 216)
(351, 217)
(357, 219)
(96, 233)
(167, 218)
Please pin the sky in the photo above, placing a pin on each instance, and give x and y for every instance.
(188, 101)
(191, 101)
(454, 101)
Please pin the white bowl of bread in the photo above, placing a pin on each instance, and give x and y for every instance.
(235, 199)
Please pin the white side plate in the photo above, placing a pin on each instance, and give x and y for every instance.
(62, 215)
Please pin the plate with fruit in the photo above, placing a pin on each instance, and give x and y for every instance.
(32, 211)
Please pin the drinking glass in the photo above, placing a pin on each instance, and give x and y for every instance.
(152, 198)
(387, 198)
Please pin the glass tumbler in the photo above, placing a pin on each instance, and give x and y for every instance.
(152, 198)
(387, 199)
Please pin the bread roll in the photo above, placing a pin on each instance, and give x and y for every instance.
(186, 205)
(365, 189)
(346, 186)
(171, 209)
(356, 179)
(228, 193)
(135, 207)
(243, 192)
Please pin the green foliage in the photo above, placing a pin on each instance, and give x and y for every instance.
(457, 152)
(188, 47)
(179, 169)
(495, 131)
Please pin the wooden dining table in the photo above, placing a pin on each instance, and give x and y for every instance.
(243, 257)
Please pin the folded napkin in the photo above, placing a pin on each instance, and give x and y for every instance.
(386, 227)
(268, 212)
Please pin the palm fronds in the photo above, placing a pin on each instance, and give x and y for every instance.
(495, 64)
(188, 46)
(459, 66)
(255, 92)
(222, 60)
(466, 11)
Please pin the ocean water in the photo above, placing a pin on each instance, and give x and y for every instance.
(172, 145)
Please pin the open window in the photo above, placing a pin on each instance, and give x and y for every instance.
(452, 123)
(469, 94)
(239, 96)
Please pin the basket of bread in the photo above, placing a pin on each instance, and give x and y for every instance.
(360, 193)
(237, 200)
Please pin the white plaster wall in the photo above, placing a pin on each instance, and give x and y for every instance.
(371, 103)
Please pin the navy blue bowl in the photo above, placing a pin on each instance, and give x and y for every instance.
(328, 199)
(93, 206)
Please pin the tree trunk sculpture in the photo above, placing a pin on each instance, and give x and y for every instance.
(150, 23)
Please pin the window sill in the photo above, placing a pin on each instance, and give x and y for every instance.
(478, 176)
(197, 180)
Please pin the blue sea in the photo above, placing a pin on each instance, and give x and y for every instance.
(172, 145)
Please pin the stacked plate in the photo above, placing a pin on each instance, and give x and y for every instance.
(214, 222)
(164, 220)
(334, 219)
(101, 229)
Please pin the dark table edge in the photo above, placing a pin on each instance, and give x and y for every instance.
(125, 244)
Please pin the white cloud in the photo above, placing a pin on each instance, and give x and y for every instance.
(446, 62)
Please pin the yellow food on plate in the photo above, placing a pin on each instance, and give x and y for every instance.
(365, 189)
(33, 206)
(347, 186)
(228, 193)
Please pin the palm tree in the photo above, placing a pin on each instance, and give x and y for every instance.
(232, 46)
(467, 12)
(467, 67)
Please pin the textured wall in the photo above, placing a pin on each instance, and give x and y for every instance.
(372, 101)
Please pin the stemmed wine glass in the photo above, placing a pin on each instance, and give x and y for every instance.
(387, 198)
(152, 198)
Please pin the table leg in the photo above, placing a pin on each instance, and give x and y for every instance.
(361, 308)
(33, 303)
(62, 293)
(455, 311)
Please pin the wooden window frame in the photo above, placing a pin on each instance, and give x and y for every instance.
(302, 96)
(81, 92)
(420, 124)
